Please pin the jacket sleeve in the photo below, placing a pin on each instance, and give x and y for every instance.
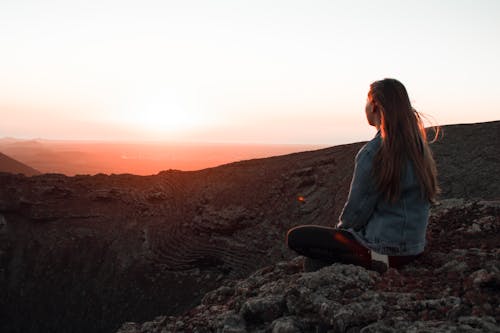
(362, 196)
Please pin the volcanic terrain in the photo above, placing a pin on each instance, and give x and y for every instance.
(88, 253)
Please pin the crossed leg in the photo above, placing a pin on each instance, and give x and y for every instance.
(328, 244)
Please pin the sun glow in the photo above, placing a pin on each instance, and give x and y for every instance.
(163, 119)
(160, 117)
(238, 71)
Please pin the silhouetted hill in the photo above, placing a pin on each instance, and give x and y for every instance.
(10, 165)
(87, 253)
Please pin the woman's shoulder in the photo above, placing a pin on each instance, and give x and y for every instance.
(372, 146)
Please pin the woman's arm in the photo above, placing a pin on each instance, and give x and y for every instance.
(362, 196)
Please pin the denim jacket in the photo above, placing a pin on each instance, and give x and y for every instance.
(390, 228)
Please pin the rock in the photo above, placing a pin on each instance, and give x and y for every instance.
(481, 277)
(287, 325)
(130, 327)
(262, 309)
(485, 223)
(479, 324)
(357, 315)
(474, 228)
(218, 295)
(454, 266)
(434, 326)
(105, 195)
(233, 323)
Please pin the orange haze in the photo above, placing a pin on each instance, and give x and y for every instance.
(71, 157)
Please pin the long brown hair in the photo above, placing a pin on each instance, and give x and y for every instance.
(403, 138)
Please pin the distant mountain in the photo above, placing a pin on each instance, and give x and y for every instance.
(8, 140)
(140, 158)
(10, 165)
(87, 253)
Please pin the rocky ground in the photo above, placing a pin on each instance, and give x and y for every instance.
(453, 287)
(88, 253)
(91, 252)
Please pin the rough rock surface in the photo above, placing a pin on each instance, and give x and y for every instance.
(88, 253)
(453, 287)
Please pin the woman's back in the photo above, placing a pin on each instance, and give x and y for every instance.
(385, 226)
(398, 228)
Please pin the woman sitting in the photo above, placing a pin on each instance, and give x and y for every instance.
(384, 220)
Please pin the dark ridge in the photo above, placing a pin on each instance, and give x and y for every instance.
(10, 165)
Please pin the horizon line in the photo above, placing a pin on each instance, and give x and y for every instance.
(194, 142)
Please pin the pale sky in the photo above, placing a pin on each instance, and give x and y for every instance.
(239, 71)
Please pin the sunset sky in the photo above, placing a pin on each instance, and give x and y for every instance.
(239, 71)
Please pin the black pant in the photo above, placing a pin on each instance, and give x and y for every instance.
(327, 244)
(334, 245)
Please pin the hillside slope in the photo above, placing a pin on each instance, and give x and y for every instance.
(91, 252)
(8, 164)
